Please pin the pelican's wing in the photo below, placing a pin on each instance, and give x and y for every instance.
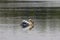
(25, 21)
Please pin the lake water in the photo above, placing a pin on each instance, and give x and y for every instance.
(44, 29)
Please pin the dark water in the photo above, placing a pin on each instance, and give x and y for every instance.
(45, 29)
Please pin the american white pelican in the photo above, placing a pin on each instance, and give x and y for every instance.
(28, 25)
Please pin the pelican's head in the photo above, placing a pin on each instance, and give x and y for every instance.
(30, 20)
